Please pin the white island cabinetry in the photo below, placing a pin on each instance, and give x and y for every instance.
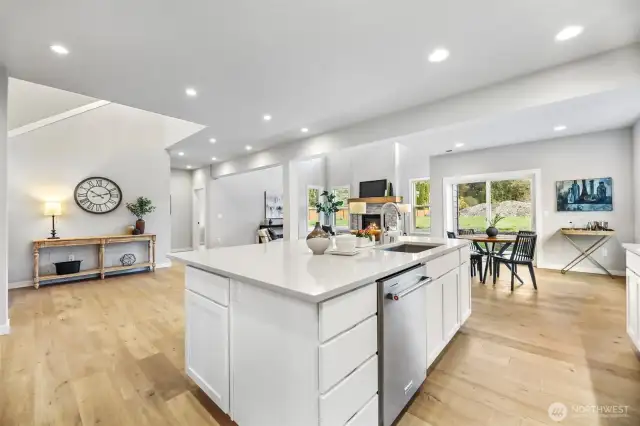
(633, 293)
(305, 353)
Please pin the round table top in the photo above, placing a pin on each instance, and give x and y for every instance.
(483, 238)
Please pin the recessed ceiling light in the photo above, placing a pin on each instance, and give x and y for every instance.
(212, 140)
(181, 153)
(267, 117)
(248, 147)
(459, 145)
(191, 92)
(439, 55)
(569, 33)
(304, 130)
(60, 50)
(213, 158)
(560, 128)
(188, 167)
(449, 150)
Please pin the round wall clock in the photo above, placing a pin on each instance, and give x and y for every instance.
(98, 195)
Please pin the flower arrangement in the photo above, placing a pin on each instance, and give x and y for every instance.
(369, 232)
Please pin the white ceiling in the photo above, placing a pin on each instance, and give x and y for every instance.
(29, 102)
(308, 63)
(603, 111)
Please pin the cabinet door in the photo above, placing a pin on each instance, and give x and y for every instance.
(633, 313)
(207, 347)
(451, 305)
(435, 335)
(464, 279)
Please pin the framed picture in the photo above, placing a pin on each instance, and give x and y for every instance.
(273, 205)
(585, 195)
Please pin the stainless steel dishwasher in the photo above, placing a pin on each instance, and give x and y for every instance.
(402, 339)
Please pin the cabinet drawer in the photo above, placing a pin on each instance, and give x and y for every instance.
(633, 262)
(343, 312)
(440, 266)
(346, 399)
(465, 254)
(345, 353)
(211, 286)
(368, 416)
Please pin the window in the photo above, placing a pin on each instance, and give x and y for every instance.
(313, 195)
(510, 198)
(342, 193)
(421, 204)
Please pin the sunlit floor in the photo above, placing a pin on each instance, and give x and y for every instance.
(111, 353)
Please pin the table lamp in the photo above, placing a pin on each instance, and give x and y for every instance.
(53, 209)
(404, 209)
(358, 207)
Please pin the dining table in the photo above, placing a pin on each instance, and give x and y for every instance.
(490, 247)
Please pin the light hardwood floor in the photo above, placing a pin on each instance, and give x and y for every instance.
(111, 353)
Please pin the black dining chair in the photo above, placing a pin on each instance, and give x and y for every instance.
(476, 253)
(522, 254)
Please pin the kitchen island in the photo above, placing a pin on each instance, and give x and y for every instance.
(278, 337)
(633, 293)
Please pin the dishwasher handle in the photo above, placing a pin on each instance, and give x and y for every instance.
(397, 296)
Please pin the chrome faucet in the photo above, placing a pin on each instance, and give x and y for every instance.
(385, 232)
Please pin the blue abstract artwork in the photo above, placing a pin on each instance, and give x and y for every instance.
(585, 195)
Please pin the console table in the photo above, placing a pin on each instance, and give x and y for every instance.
(604, 236)
(100, 242)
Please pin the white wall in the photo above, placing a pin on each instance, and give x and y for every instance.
(236, 206)
(4, 290)
(636, 179)
(351, 166)
(114, 141)
(181, 209)
(604, 154)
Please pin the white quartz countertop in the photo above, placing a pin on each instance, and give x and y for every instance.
(632, 247)
(290, 268)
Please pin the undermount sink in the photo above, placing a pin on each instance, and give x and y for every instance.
(411, 248)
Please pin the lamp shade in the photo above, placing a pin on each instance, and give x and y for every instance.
(52, 208)
(404, 208)
(358, 207)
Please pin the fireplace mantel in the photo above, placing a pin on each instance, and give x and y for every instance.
(376, 200)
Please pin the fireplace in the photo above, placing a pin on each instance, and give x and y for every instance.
(368, 219)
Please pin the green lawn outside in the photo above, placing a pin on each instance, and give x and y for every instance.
(511, 223)
(339, 222)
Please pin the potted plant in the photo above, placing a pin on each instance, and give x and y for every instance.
(364, 237)
(140, 208)
(492, 231)
(329, 207)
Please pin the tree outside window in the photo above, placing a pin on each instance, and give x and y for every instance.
(421, 200)
(342, 193)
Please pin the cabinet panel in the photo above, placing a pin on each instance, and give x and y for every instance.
(346, 352)
(343, 312)
(368, 416)
(464, 280)
(443, 264)
(346, 399)
(435, 335)
(633, 310)
(209, 285)
(207, 347)
(451, 305)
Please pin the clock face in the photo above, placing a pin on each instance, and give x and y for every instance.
(98, 195)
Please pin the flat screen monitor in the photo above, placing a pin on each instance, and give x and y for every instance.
(373, 188)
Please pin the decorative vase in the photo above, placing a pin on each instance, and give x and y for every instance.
(130, 229)
(318, 241)
(140, 225)
(492, 231)
(328, 224)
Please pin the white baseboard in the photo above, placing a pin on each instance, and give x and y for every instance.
(5, 328)
(178, 250)
(586, 269)
(20, 284)
(23, 284)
